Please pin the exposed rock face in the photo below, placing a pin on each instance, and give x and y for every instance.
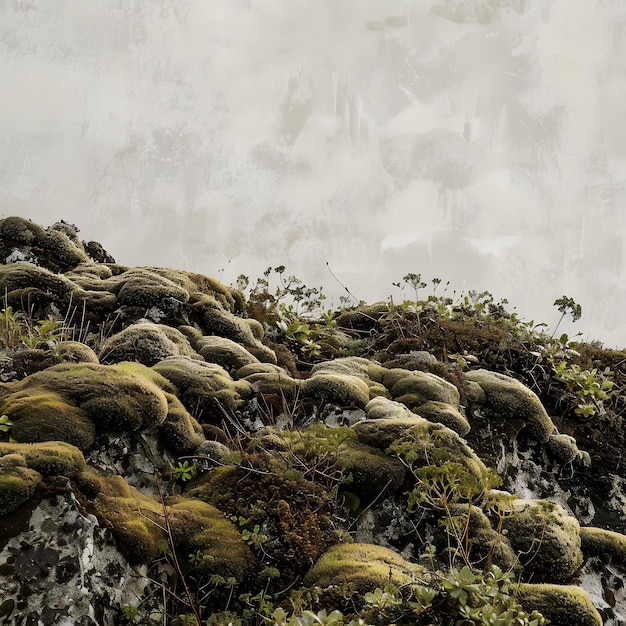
(156, 460)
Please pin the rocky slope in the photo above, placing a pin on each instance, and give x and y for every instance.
(173, 450)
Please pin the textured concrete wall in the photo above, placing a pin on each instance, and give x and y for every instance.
(479, 141)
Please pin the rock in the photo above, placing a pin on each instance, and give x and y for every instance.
(508, 399)
(446, 414)
(548, 536)
(361, 568)
(338, 389)
(230, 355)
(147, 343)
(65, 568)
(563, 605)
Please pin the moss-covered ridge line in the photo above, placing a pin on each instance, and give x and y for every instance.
(158, 406)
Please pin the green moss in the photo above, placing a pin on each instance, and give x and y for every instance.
(17, 482)
(204, 387)
(338, 389)
(214, 320)
(75, 352)
(180, 432)
(196, 525)
(230, 355)
(605, 544)
(53, 458)
(279, 384)
(23, 274)
(445, 414)
(297, 515)
(68, 402)
(508, 399)
(39, 415)
(548, 538)
(381, 407)
(365, 470)
(135, 519)
(361, 568)
(416, 388)
(563, 605)
(147, 343)
(143, 287)
(424, 444)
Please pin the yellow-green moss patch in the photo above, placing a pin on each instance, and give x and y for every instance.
(202, 386)
(563, 605)
(605, 544)
(362, 567)
(51, 458)
(17, 482)
(547, 539)
(508, 399)
(445, 414)
(230, 355)
(338, 389)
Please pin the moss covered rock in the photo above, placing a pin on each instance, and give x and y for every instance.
(51, 458)
(205, 389)
(508, 399)
(381, 407)
(605, 544)
(230, 355)
(147, 343)
(17, 482)
(338, 389)
(361, 567)
(547, 538)
(68, 402)
(445, 414)
(563, 605)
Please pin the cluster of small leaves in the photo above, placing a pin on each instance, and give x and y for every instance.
(487, 599)
(591, 387)
(17, 330)
(184, 471)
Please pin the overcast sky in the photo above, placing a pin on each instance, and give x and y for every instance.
(477, 141)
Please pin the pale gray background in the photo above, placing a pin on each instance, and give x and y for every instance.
(479, 141)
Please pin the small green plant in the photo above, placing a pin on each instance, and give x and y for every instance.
(184, 471)
(567, 305)
(130, 612)
(5, 424)
(254, 537)
(591, 387)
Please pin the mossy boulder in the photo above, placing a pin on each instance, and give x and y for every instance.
(141, 287)
(17, 276)
(414, 388)
(50, 458)
(381, 407)
(230, 355)
(363, 317)
(358, 367)
(42, 415)
(565, 449)
(361, 567)
(214, 320)
(205, 389)
(508, 399)
(198, 526)
(424, 444)
(337, 389)
(445, 414)
(563, 605)
(137, 523)
(180, 431)
(604, 544)
(56, 248)
(18, 482)
(547, 538)
(68, 402)
(147, 343)
(365, 470)
(75, 352)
